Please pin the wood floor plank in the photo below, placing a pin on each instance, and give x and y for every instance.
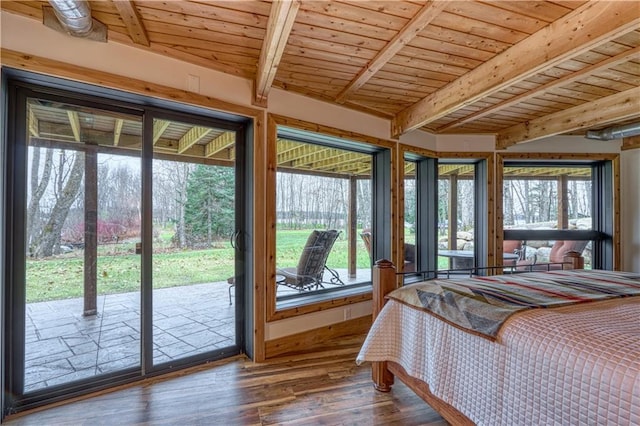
(316, 388)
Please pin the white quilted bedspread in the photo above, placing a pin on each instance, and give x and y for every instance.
(576, 365)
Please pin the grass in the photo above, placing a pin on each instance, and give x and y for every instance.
(61, 278)
(119, 268)
(290, 242)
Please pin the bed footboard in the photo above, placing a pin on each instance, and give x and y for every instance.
(384, 281)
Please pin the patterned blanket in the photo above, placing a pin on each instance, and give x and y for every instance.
(481, 305)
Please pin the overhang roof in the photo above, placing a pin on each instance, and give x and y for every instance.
(53, 124)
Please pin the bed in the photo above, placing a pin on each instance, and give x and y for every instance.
(575, 362)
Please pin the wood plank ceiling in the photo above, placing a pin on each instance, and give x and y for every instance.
(521, 70)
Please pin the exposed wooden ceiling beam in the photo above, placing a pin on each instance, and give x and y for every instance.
(632, 54)
(60, 132)
(315, 154)
(455, 169)
(409, 167)
(354, 168)
(297, 153)
(602, 111)
(631, 142)
(168, 146)
(285, 146)
(281, 19)
(74, 121)
(340, 159)
(192, 137)
(223, 141)
(586, 27)
(159, 126)
(132, 21)
(117, 131)
(423, 18)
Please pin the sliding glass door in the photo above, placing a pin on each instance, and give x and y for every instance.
(127, 243)
(193, 226)
(82, 221)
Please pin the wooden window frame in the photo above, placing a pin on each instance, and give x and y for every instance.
(485, 202)
(273, 121)
(613, 215)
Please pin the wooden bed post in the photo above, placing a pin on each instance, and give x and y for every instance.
(574, 260)
(384, 281)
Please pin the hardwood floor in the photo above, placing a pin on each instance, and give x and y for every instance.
(320, 388)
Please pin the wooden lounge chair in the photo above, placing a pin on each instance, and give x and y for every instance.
(312, 263)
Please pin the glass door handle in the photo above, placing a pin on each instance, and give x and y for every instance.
(234, 240)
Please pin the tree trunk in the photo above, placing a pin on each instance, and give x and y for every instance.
(527, 201)
(51, 232)
(182, 194)
(37, 191)
(209, 221)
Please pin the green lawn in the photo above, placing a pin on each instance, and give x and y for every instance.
(63, 277)
(290, 242)
(119, 269)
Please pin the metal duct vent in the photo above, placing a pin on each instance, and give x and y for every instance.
(74, 18)
(615, 132)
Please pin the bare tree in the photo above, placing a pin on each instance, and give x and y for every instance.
(170, 180)
(466, 202)
(520, 189)
(364, 202)
(176, 176)
(38, 187)
(508, 209)
(47, 243)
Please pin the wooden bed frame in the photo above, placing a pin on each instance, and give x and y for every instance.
(384, 281)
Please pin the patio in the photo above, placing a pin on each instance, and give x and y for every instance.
(62, 345)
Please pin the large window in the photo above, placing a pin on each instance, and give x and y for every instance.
(547, 197)
(327, 231)
(410, 224)
(128, 245)
(446, 213)
(464, 213)
(456, 215)
(419, 214)
(323, 218)
(555, 209)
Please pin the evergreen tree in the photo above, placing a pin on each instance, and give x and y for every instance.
(209, 211)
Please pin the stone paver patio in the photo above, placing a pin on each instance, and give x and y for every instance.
(62, 345)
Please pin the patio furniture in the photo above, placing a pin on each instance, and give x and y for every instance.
(465, 259)
(409, 251)
(556, 257)
(312, 263)
(512, 247)
(232, 283)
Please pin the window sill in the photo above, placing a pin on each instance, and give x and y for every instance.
(304, 303)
